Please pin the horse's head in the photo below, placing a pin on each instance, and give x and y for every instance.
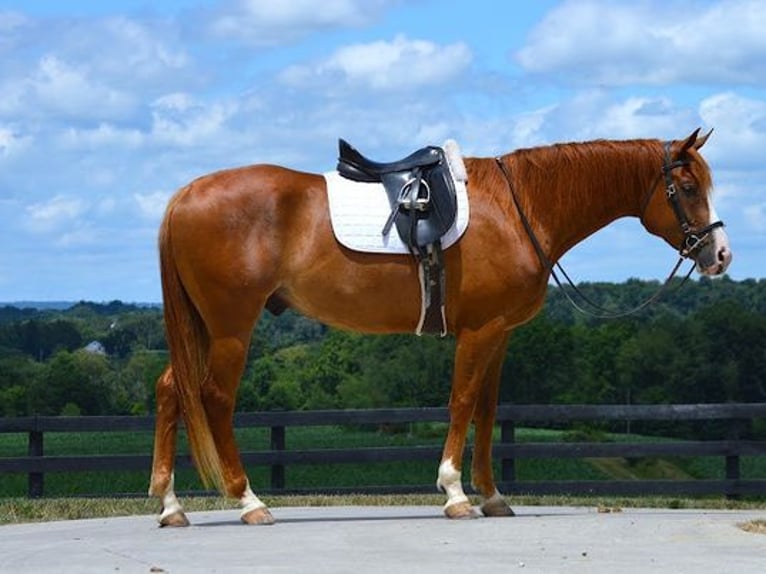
(680, 209)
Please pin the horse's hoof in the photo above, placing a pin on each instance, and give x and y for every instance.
(259, 516)
(173, 519)
(496, 506)
(460, 511)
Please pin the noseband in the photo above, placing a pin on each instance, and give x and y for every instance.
(694, 239)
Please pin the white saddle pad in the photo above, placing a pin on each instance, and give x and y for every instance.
(358, 210)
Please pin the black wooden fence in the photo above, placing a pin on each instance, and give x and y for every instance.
(507, 450)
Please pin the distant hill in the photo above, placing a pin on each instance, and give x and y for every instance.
(64, 305)
(41, 305)
(49, 310)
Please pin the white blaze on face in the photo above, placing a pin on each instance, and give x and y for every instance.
(719, 247)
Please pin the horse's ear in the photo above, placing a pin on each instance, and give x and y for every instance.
(701, 140)
(695, 140)
(690, 141)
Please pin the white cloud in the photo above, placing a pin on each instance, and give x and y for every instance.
(12, 28)
(152, 205)
(401, 65)
(50, 215)
(740, 129)
(142, 49)
(180, 120)
(11, 142)
(78, 238)
(65, 88)
(105, 135)
(595, 114)
(755, 215)
(270, 23)
(89, 69)
(56, 88)
(600, 42)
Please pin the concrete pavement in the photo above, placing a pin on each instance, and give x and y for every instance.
(410, 539)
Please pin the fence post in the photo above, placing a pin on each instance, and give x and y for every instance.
(732, 460)
(508, 465)
(278, 470)
(35, 480)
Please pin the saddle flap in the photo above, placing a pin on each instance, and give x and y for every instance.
(420, 223)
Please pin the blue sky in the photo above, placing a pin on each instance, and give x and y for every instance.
(107, 107)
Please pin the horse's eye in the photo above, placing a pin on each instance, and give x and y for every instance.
(689, 189)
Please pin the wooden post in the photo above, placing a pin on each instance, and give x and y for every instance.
(278, 470)
(35, 480)
(732, 460)
(508, 465)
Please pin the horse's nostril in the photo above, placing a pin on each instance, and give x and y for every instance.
(724, 257)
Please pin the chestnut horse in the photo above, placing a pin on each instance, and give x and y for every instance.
(236, 241)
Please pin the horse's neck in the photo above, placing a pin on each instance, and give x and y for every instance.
(572, 190)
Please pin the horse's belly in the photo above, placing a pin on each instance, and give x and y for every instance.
(369, 298)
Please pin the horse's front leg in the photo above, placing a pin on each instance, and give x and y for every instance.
(475, 357)
(165, 433)
(482, 478)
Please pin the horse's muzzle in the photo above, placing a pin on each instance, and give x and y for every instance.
(714, 257)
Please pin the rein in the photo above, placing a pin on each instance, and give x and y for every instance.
(693, 241)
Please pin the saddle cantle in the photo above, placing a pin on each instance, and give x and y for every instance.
(420, 189)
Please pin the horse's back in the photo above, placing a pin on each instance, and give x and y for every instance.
(248, 189)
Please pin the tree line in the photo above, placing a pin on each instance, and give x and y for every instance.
(704, 342)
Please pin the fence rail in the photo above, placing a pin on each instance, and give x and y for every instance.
(36, 464)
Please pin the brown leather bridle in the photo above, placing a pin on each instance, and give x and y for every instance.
(694, 239)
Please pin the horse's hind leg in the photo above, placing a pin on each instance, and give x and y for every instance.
(493, 503)
(165, 433)
(227, 358)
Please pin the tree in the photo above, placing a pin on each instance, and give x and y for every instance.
(137, 380)
(539, 363)
(18, 374)
(80, 378)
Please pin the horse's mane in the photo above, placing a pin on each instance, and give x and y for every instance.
(571, 173)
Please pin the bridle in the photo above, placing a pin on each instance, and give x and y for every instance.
(693, 241)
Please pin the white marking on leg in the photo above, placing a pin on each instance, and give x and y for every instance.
(170, 503)
(249, 501)
(449, 482)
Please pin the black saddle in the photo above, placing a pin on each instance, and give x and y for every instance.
(420, 190)
(360, 168)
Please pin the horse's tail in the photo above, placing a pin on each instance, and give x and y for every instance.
(188, 340)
